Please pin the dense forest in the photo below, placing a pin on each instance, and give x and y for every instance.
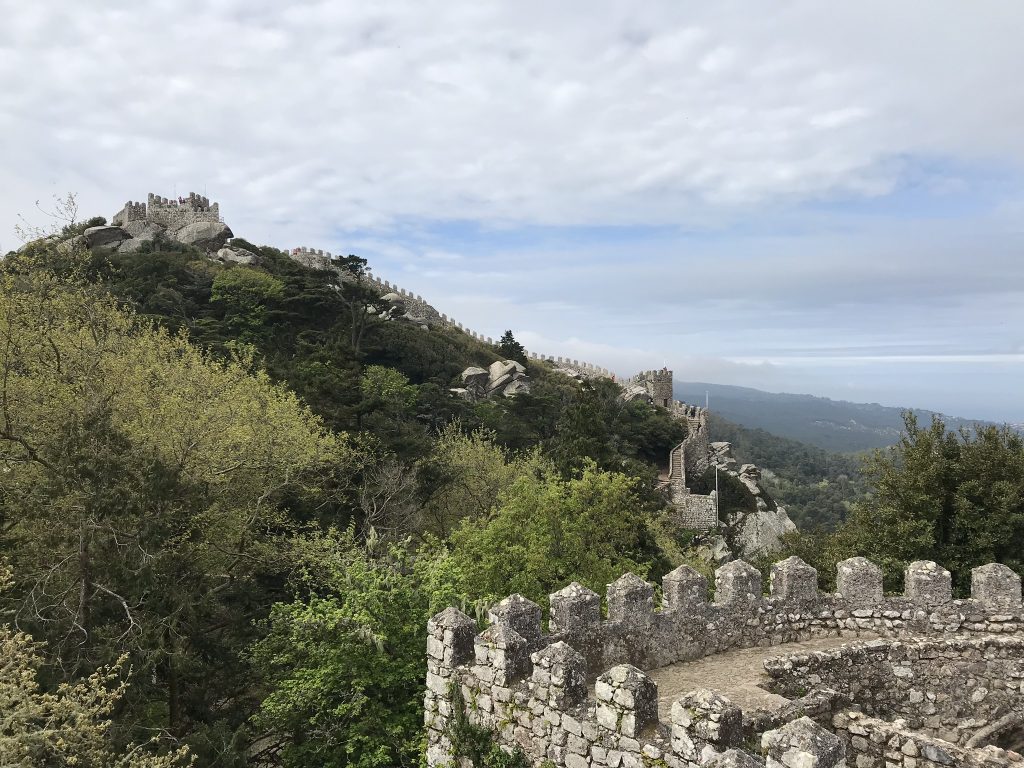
(817, 487)
(232, 495)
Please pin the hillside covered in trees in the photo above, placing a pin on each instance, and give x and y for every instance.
(232, 496)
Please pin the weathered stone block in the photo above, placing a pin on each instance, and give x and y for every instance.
(737, 582)
(997, 586)
(701, 719)
(630, 599)
(802, 744)
(859, 581)
(627, 700)
(452, 634)
(734, 758)
(503, 651)
(927, 583)
(683, 588)
(575, 610)
(562, 671)
(793, 579)
(518, 613)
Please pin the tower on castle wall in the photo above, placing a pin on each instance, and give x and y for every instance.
(659, 387)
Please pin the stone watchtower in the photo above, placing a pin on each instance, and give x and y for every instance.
(658, 385)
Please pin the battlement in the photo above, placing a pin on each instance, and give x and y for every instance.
(528, 684)
(168, 212)
(313, 258)
(658, 385)
(317, 258)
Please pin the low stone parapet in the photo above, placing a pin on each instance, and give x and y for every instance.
(874, 743)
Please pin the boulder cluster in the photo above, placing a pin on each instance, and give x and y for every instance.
(504, 377)
(410, 309)
(210, 236)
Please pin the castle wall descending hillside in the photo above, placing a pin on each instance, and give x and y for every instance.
(695, 511)
(421, 312)
(697, 445)
(528, 686)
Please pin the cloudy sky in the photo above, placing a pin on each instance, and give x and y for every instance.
(796, 196)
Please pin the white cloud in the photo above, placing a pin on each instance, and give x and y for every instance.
(581, 112)
(368, 127)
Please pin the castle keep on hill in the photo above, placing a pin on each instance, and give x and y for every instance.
(941, 684)
(169, 213)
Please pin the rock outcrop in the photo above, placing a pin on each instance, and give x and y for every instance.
(752, 533)
(105, 237)
(503, 377)
(208, 235)
(237, 256)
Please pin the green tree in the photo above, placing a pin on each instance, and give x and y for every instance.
(546, 531)
(245, 294)
(69, 726)
(344, 660)
(953, 497)
(464, 475)
(510, 349)
(147, 489)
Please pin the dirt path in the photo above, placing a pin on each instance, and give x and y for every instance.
(735, 674)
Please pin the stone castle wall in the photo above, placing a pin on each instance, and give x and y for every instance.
(943, 688)
(697, 445)
(525, 684)
(658, 385)
(874, 743)
(418, 307)
(169, 213)
(694, 511)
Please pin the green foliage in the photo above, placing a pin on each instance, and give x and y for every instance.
(147, 490)
(343, 661)
(953, 497)
(69, 726)
(475, 743)
(510, 349)
(247, 296)
(170, 494)
(546, 531)
(463, 477)
(585, 422)
(816, 487)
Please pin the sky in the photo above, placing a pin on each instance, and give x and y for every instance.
(824, 198)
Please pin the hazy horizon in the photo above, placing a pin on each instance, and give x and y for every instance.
(812, 199)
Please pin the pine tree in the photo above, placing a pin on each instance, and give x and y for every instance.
(510, 349)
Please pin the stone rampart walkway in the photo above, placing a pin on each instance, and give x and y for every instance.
(736, 674)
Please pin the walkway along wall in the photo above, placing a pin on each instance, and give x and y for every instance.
(531, 687)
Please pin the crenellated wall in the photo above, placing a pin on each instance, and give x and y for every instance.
(658, 385)
(526, 684)
(316, 258)
(168, 212)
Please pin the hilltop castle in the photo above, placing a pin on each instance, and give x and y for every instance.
(169, 213)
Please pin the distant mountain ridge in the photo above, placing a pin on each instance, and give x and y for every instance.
(835, 425)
